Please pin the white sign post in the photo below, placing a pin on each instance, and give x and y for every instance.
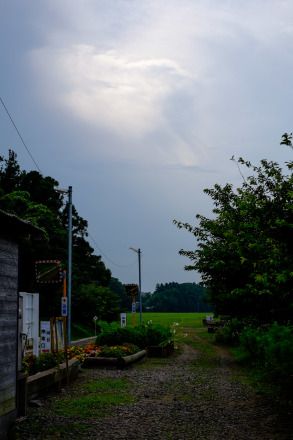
(123, 317)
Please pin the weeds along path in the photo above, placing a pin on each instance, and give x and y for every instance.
(198, 393)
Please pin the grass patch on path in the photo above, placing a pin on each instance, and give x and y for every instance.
(95, 399)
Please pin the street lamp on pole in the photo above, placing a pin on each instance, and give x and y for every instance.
(139, 276)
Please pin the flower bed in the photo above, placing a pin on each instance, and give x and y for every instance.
(32, 365)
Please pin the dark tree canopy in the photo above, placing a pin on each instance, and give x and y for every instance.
(245, 253)
(33, 197)
(176, 297)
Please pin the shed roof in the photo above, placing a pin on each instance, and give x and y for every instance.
(11, 225)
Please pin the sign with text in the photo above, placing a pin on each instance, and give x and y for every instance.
(64, 306)
(123, 317)
(45, 337)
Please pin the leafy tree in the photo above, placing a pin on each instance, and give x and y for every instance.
(10, 174)
(33, 197)
(94, 300)
(119, 289)
(175, 297)
(244, 253)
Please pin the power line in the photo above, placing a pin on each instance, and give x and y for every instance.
(118, 265)
(17, 131)
(21, 138)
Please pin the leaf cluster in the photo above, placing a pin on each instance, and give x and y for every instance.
(177, 297)
(245, 252)
(142, 335)
(34, 198)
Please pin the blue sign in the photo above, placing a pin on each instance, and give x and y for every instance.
(64, 306)
(133, 308)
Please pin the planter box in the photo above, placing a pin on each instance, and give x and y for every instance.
(160, 350)
(120, 363)
(40, 383)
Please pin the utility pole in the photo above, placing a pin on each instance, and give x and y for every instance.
(69, 261)
(69, 270)
(138, 251)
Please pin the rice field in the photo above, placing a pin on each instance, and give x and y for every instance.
(183, 319)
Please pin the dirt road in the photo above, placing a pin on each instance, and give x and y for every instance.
(199, 393)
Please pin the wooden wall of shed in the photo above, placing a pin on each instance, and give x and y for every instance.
(8, 331)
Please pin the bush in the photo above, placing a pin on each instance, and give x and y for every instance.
(142, 335)
(229, 333)
(32, 364)
(270, 349)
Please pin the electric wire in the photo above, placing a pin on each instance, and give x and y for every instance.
(21, 138)
(17, 131)
(115, 264)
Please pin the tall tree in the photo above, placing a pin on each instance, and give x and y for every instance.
(33, 197)
(245, 253)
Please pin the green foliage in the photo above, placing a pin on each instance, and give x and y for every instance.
(229, 333)
(100, 301)
(34, 198)
(34, 364)
(171, 297)
(142, 335)
(245, 253)
(116, 286)
(117, 351)
(270, 350)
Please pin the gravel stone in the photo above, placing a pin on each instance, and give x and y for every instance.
(190, 395)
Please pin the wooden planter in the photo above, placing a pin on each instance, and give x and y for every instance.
(120, 363)
(160, 350)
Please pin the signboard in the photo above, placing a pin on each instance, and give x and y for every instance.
(133, 308)
(131, 290)
(64, 306)
(45, 337)
(209, 318)
(123, 317)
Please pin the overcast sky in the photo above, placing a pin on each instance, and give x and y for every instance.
(139, 105)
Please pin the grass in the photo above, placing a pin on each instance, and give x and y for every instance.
(184, 319)
(193, 320)
(95, 399)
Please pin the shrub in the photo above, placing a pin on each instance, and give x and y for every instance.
(229, 333)
(142, 335)
(270, 349)
(34, 364)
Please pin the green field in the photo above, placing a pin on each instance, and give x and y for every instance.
(183, 319)
(193, 320)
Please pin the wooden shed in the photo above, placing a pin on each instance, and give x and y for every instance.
(12, 230)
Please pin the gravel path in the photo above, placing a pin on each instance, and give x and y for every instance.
(196, 394)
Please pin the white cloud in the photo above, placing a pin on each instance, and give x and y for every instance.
(110, 90)
(116, 69)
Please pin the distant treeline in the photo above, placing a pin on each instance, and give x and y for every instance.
(175, 297)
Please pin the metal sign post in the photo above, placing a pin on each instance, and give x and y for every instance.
(95, 319)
